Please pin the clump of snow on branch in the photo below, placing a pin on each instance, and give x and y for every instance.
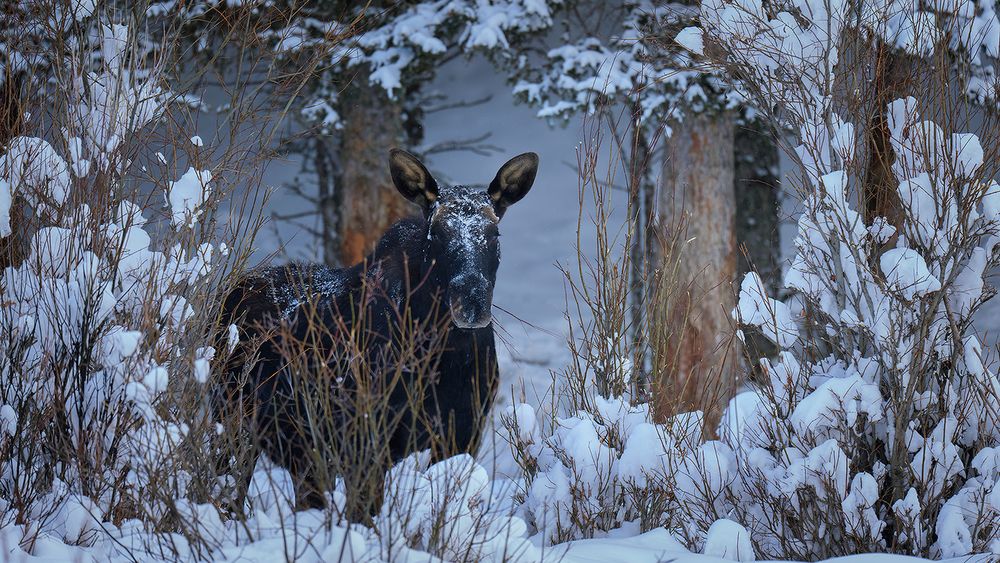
(187, 195)
(30, 167)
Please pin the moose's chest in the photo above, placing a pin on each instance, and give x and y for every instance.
(467, 374)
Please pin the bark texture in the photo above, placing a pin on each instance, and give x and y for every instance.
(368, 202)
(642, 192)
(328, 199)
(697, 203)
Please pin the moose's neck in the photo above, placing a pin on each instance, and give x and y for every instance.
(400, 264)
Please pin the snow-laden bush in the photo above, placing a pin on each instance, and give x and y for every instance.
(604, 467)
(450, 509)
(599, 458)
(98, 306)
(876, 426)
(105, 317)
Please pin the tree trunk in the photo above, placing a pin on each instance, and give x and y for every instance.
(757, 207)
(641, 194)
(369, 203)
(893, 77)
(881, 196)
(13, 246)
(697, 209)
(328, 198)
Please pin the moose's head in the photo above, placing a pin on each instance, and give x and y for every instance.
(463, 229)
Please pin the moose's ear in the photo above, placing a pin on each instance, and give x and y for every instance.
(412, 178)
(513, 181)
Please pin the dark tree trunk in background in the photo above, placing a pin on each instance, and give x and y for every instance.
(642, 192)
(328, 199)
(368, 202)
(697, 197)
(12, 247)
(893, 76)
(891, 79)
(757, 207)
(757, 217)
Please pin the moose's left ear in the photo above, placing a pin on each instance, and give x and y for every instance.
(513, 181)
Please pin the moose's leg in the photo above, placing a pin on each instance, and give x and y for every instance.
(236, 449)
(294, 448)
(309, 492)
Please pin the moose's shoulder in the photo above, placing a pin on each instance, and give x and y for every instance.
(409, 235)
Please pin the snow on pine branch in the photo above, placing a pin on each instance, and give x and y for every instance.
(627, 66)
(416, 34)
(395, 46)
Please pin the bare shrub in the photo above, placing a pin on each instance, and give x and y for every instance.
(115, 257)
(601, 456)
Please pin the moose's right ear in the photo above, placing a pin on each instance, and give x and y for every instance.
(412, 178)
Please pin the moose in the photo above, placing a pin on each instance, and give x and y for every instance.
(435, 271)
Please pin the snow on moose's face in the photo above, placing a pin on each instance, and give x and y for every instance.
(464, 243)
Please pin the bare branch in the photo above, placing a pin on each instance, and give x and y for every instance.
(292, 216)
(460, 104)
(474, 145)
